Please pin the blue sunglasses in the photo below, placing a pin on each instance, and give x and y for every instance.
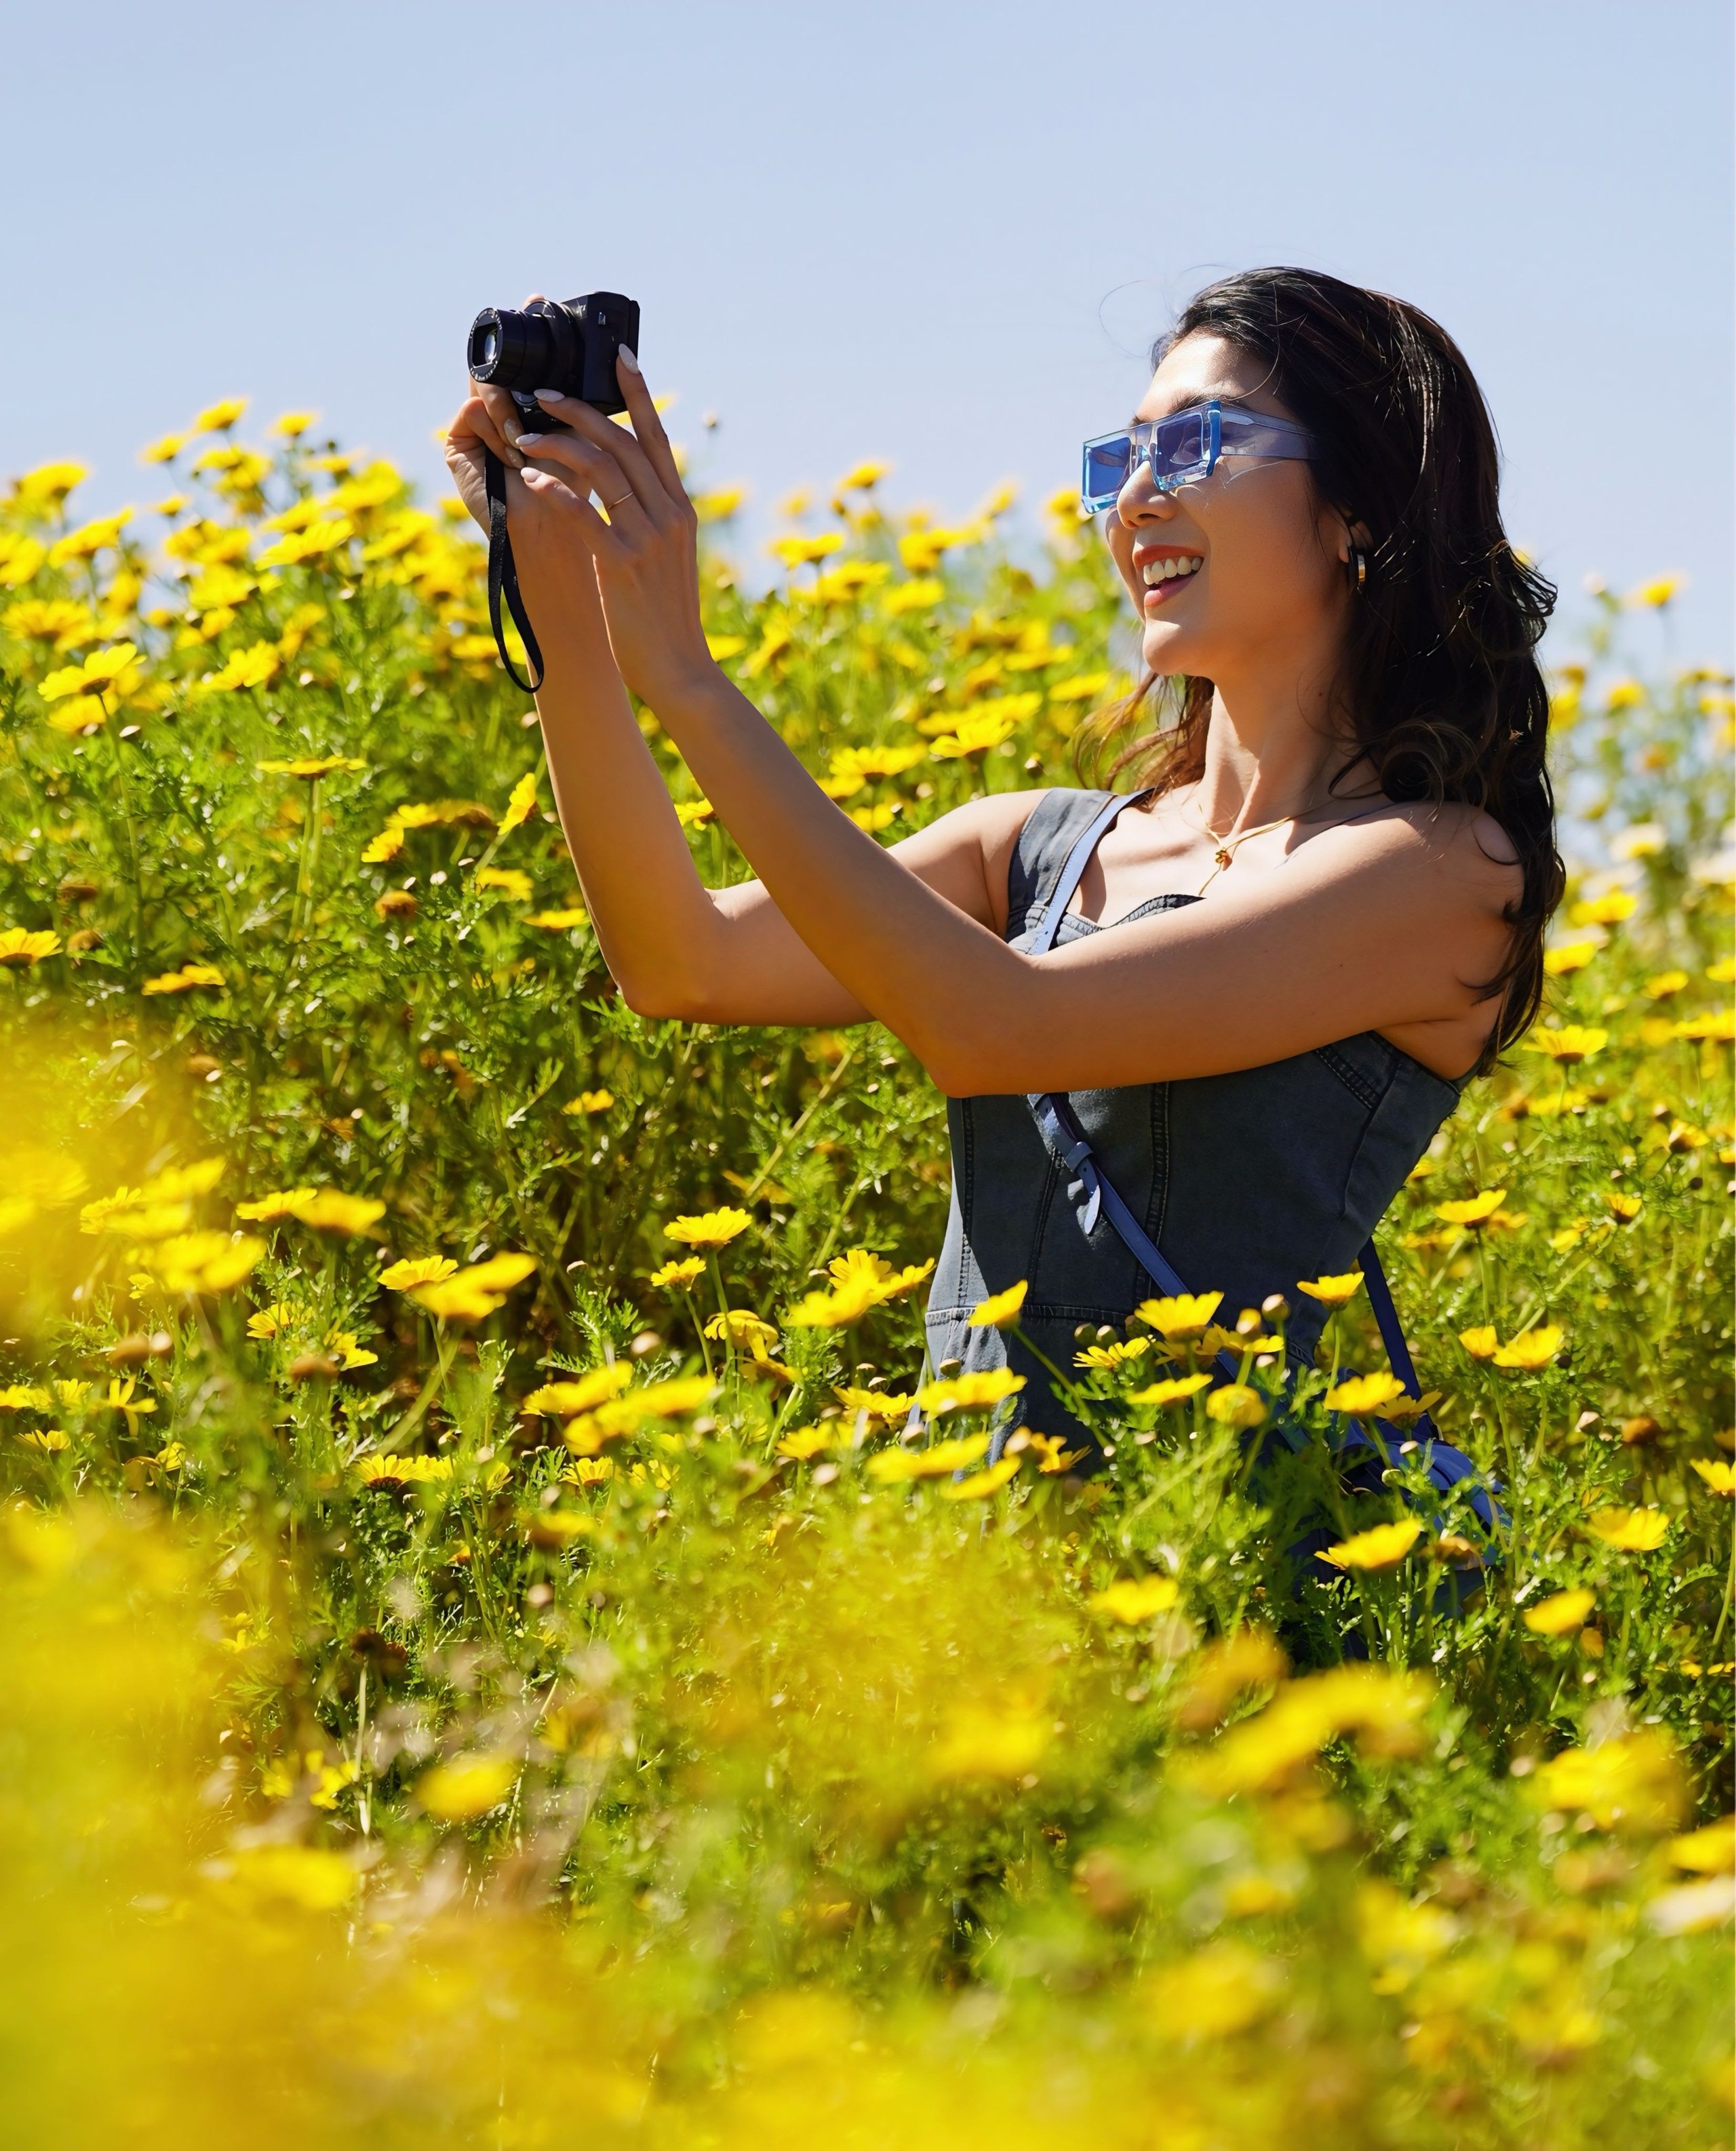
(1184, 446)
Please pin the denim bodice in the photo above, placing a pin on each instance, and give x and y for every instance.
(1247, 1181)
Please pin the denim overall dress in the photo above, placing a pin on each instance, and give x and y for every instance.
(1246, 1181)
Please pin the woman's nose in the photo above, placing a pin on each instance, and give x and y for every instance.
(1139, 501)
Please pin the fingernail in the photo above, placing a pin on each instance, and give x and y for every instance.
(529, 440)
(548, 396)
(629, 359)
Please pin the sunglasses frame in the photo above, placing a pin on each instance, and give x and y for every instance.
(1225, 432)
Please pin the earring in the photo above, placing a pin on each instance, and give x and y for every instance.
(1357, 567)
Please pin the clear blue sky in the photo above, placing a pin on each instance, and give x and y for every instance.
(941, 233)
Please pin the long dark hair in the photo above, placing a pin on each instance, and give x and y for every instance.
(1439, 687)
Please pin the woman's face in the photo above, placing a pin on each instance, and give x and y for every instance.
(1239, 571)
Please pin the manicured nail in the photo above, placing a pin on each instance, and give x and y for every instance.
(527, 441)
(548, 396)
(629, 359)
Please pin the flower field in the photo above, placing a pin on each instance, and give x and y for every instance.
(487, 1663)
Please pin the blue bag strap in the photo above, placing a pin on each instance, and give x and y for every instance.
(1094, 1194)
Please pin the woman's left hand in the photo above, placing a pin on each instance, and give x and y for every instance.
(647, 550)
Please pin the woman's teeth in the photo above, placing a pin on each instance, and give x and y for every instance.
(1168, 571)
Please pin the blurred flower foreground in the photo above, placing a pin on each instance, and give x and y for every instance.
(492, 1656)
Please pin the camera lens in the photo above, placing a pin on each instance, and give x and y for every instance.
(512, 350)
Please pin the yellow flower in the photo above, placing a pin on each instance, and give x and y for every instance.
(201, 1261)
(710, 1229)
(565, 1399)
(863, 477)
(976, 734)
(1186, 1315)
(1665, 984)
(1053, 1455)
(1532, 1350)
(387, 1469)
(474, 1293)
(292, 424)
(845, 1303)
(977, 1392)
(1332, 1291)
(520, 803)
(184, 979)
(1112, 1356)
(1719, 1476)
(1572, 1043)
(726, 646)
(1135, 1599)
(1723, 973)
(1567, 1611)
(796, 551)
(1630, 1530)
(1711, 1851)
(1383, 1547)
(1481, 1343)
(414, 1270)
(508, 880)
(559, 921)
(469, 1786)
(802, 1442)
(20, 950)
(981, 1484)
(271, 1320)
(163, 449)
(219, 418)
(741, 1327)
(1363, 1395)
(1171, 1391)
(1609, 910)
(881, 1405)
(1569, 957)
(323, 1208)
(1720, 1024)
(308, 766)
(1657, 594)
(1236, 1404)
(676, 1276)
(1001, 1308)
(1625, 1207)
(921, 595)
(597, 1101)
(50, 1440)
(1475, 1210)
(1632, 1782)
(939, 1461)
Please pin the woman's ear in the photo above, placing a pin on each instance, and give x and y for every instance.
(1352, 536)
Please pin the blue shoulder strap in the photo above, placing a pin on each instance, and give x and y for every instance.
(1093, 1192)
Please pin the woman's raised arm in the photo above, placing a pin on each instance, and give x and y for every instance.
(674, 947)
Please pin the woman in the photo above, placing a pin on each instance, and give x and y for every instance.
(1322, 912)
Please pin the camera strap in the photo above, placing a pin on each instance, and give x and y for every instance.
(504, 579)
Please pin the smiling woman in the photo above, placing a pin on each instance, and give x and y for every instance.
(1262, 976)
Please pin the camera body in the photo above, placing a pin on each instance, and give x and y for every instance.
(565, 344)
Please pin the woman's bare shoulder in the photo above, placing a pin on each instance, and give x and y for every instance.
(1438, 836)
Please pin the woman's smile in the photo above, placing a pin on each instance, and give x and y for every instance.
(1163, 574)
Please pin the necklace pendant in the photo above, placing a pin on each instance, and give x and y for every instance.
(1222, 855)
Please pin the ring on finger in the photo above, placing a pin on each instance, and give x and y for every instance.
(623, 499)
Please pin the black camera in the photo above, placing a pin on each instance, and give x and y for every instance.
(566, 344)
(570, 345)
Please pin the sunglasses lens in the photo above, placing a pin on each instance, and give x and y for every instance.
(1106, 463)
(1178, 447)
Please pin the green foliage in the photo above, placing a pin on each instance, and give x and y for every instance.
(380, 1700)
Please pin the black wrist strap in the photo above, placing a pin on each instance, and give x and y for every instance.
(504, 579)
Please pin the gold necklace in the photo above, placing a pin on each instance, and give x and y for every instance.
(1224, 853)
